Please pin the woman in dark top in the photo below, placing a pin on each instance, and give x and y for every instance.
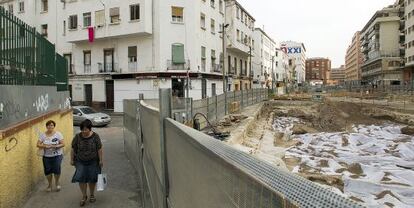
(86, 156)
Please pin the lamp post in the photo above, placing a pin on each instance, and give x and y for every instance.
(273, 74)
(223, 31)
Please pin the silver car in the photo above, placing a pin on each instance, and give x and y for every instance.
(81, 113)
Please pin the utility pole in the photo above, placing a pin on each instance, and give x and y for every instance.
(250, 65)
(223, 31)
(273, 74)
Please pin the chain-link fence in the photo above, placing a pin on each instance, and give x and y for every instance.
(180, 167)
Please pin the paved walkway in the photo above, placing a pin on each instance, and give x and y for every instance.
(122, 190)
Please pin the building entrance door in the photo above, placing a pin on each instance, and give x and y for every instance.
(88, 94)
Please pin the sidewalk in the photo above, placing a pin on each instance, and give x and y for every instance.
(122, 190)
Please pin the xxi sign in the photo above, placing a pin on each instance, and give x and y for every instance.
(292, 50)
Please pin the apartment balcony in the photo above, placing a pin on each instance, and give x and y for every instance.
(178, 66)
(87, 69)
(132, 66)
(108, 68)
(216, 68)
(238, 46)
(232, 70)
(126, 25)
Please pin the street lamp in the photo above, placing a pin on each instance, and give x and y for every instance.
(223, 31)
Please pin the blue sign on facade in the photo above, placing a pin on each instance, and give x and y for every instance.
(292, 50)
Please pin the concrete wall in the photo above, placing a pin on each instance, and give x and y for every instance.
(18, 103)
(389, 36)
(21, 167)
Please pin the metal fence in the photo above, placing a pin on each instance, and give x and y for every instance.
(215, 107)
(180, 167)
(26, 57)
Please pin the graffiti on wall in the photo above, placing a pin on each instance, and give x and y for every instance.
(10, 144)
(42, 103)
(10, 109)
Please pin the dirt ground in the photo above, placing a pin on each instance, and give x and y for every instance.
(328, 116)
(312, 117)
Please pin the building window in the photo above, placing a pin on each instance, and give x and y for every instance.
(44, 30)
(177, 14)
(11, 8)
(213, 61)
(229, 69)
(221, 6)
(134, 11)
(87, 19)
(235, 65)
(44, 6)
(132, 58)
(203, 58)
(203, 21)
(213, 89)
(242, 16)
(100, 18)
(212, 3)
(114, 15)
(73, 22)
(238, 35)
(68, 58)
(178, 53)
(87, 61)
(241, 67)
(238, 13)
(213, 26)
(21, 6)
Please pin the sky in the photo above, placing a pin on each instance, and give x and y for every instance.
(325, 27)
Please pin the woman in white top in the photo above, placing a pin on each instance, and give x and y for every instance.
(51, 142)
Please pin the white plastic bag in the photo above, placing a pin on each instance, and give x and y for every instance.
(102, 181)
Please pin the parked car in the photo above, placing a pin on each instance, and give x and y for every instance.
(81, 113)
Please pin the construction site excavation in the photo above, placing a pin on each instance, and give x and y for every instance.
(360, 150)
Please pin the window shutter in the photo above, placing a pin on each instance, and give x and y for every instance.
(132, 51)
(203, 52)
(177, 11)
(100, 18)
(114, 11)
(178, 54)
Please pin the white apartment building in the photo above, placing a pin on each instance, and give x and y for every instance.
(264, 60)
(297, 53)
(239, 46)
(118, 49)
(381, 41)
(141, 45)
(408, 74)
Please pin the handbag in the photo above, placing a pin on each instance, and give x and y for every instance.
(102, 182)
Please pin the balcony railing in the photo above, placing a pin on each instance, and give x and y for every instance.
(232, 70)
(216, 68)
(87, 68)
(132, 66)
(178, 66)
(108, 68)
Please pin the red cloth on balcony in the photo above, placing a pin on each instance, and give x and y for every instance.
(91, 34)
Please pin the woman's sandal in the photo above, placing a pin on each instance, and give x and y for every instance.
(92, 199)
(83, 201)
